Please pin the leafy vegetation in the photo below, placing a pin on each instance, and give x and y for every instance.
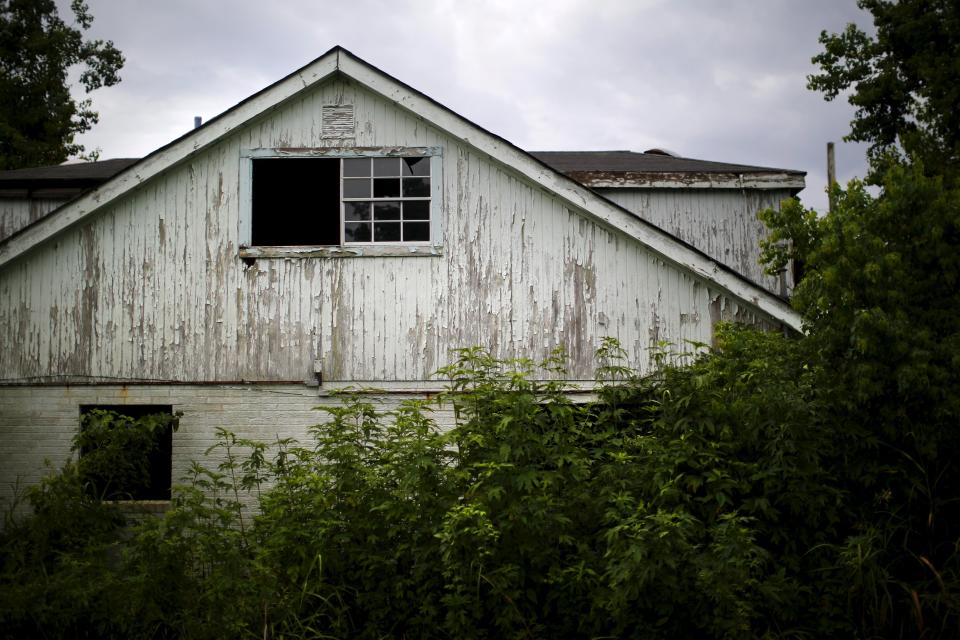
(902, 80)
(882, 312)
(715, 499)
(38, 116)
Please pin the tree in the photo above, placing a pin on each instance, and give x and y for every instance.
(38, 116)
(904, 82)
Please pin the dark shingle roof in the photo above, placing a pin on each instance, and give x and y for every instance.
(634, 162)
(80, 174)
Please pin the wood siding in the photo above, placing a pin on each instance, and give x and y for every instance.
(152, 287)
(17, 213)
(722, 223)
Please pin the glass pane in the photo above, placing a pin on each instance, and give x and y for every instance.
(356, 210)
(386, 188)
(356, 188)
(419, 210)
(416, 187)
(416, 166)
(389, 167)
(356, 167)
(356, 232)
(416, 231)
(386, 232)
(386, 210)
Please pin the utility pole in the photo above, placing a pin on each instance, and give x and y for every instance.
(831, 175)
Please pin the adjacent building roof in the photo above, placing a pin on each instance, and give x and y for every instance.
(77, 174)
(654, 161)
(585, 165)
(656, 169)
(62, 181)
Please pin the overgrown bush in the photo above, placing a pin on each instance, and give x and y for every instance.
(713, 499)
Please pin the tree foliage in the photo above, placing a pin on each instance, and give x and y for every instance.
(904, 81)
(38, 50)
(881, 306)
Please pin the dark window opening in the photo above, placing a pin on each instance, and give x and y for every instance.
(126, 451)
(296, 201)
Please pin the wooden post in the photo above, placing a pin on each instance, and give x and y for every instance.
(831, 175)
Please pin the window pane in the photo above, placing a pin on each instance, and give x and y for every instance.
(388, 167)
(416, 187)
(386, 211)
(356, 210)
(386, 188)
(416, 231)
(386, 232)
(416, 166)
(418, 210)
(356, 167)
(356, 232)
(356, 188)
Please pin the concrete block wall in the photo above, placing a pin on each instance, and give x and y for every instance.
(37, 424)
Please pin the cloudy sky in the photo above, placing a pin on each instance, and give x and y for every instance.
(713, 79)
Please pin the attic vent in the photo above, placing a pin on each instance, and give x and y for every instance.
(338, 121)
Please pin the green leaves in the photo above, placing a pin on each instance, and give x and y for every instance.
(903, 82)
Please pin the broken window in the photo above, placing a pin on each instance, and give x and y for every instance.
(323, 201)
(126, 451)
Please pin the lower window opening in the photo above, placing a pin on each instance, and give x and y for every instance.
(126, 451)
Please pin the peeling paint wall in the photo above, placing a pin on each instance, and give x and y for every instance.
(152, 288)
(722, 223)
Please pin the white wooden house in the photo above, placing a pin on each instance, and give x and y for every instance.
(341, 228)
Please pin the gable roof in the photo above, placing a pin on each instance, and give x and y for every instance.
(339, 60)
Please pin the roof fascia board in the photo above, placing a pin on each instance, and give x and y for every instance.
(655, 180)
(573, 193)
(167, 156)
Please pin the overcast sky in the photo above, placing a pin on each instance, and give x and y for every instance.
(718, 80)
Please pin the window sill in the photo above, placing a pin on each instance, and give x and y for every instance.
(366, 251)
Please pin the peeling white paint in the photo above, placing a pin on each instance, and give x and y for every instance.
(722, 223)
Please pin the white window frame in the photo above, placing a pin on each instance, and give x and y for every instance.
(355, 249)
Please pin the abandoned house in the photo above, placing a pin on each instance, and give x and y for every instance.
(340, 228)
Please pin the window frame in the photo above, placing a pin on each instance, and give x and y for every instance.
(431, 247)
